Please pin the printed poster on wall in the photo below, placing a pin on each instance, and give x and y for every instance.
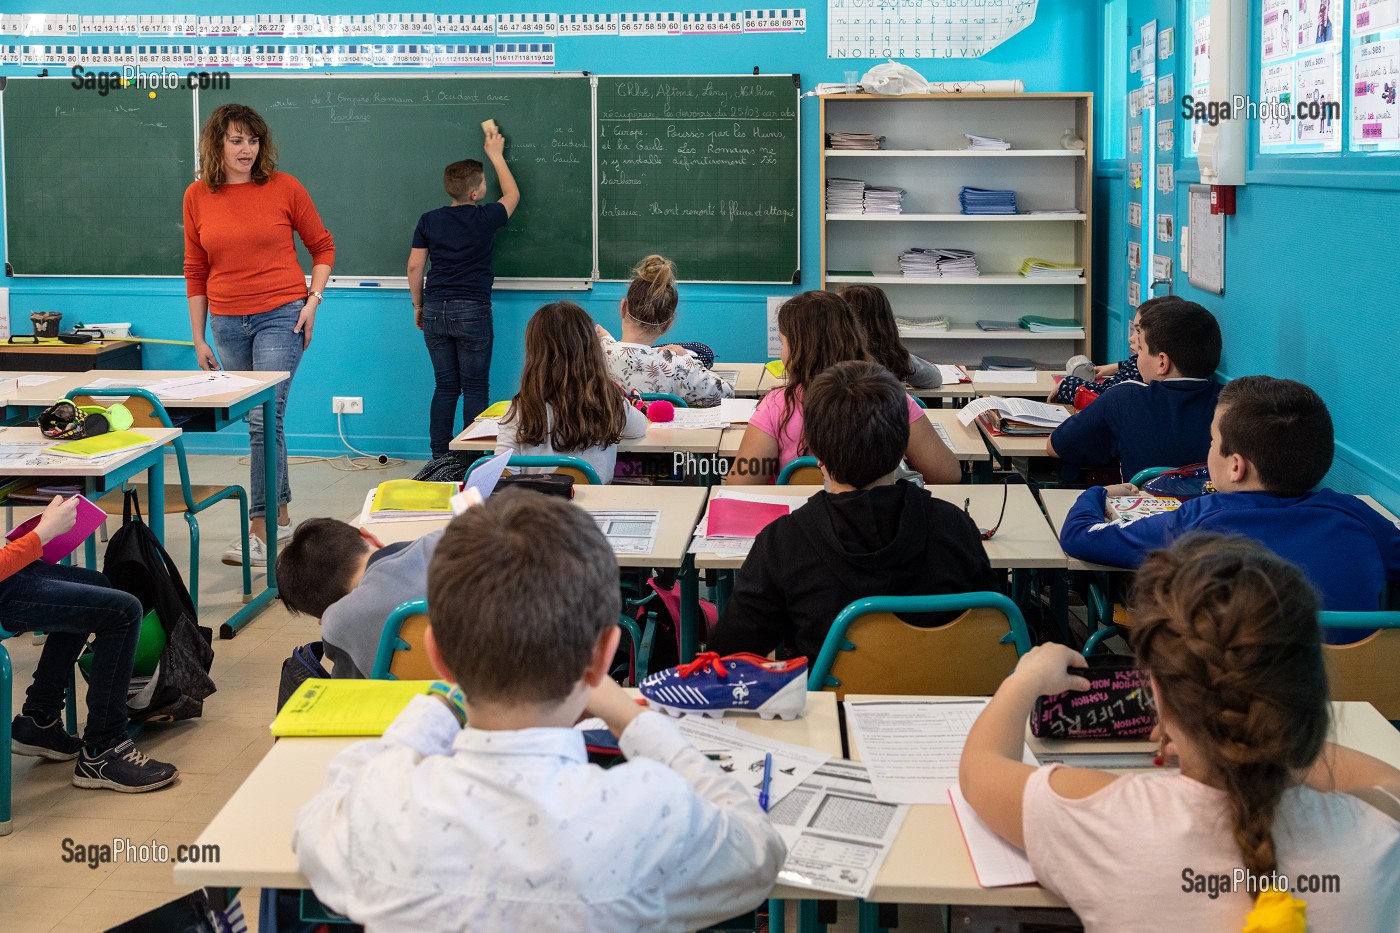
(1367, 16)
(1134, 214)
(922, 28)
(1200, 67)
(1166, 89)
(1277, 29)
(1135, 138)
(1375, 75)
(1317, 85)
(1148, 54)
(1277, 85)
(1314, 23)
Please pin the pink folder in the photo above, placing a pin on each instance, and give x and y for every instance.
(740, 518)
(90, 518)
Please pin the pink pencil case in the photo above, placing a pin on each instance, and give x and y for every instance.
(90, 518)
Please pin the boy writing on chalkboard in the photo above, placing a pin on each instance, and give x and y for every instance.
(453, 309)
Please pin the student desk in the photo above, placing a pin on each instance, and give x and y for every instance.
(1045, 383)
(966, 442)
(210, 413)
(929, 863)
(99, 477)
(658, 440)
(254, 829)
(680, 508)
(1008, 446)
(70, 358)
(746, 383)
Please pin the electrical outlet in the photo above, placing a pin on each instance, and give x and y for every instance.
(347, 405)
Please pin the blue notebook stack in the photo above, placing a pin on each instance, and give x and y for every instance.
(987, 201)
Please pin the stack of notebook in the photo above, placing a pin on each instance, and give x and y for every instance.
(854, 141)
(845, 196)
(932, 262)
(881, 199)
(1050, 325)
(1045, 269)
(980, 143)
(987, 201)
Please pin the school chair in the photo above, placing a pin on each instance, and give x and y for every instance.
(1365, 670)
(800, 471)
(401, 655)
(187, 499)
(920, 402)
(675, 400)
(869, 649)
(7, 715)
(581, 470)
(1120, 621)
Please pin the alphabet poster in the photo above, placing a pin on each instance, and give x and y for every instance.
(922, 28)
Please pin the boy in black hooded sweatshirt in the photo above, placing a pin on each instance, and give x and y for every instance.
(863, 535)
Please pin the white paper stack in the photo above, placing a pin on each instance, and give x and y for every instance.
(986, 142)
(854, 141)
(958, 263)
(845, 196)
(880, 199)
(918, 262)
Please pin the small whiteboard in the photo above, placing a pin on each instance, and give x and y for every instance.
(1206, 245)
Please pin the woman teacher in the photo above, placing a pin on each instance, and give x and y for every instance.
(241, 269)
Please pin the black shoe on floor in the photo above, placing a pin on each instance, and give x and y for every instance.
(122, 768)
(29, 737)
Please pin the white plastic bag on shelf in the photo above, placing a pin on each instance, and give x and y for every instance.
(894, 79)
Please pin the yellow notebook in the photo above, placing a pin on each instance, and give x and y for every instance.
(89, 447)
(346, 707)
(777, 368)
(497, 410)
(411, 495)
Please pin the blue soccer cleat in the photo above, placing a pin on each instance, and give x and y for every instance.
(712, 686)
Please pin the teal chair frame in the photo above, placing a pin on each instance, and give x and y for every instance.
(192, 506)
(792, 466)
(819, 678)
(675, 400)
(389, 640)
(551, 460)
(1377, 619)
(920, 402)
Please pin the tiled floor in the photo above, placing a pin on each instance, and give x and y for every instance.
(39, 892)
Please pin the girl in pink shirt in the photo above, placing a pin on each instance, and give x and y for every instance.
(1267, 827)
(818, 330)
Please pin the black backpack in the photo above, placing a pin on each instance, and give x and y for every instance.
(136, 563)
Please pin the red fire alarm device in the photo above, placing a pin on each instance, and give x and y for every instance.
(1222, 199)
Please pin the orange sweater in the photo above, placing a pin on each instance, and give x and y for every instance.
(238, 244)
(18, 554)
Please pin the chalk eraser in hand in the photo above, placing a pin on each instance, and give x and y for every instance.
(489, 126)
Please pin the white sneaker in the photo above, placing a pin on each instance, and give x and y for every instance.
(233, 554)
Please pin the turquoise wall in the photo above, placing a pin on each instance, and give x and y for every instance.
(365, 343)
(1312, 272)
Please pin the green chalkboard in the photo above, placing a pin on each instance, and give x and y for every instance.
(702, 170)
(93, 181)
(371, 152)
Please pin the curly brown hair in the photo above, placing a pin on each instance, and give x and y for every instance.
(565, 370)
(1229, 631)
(211, 169)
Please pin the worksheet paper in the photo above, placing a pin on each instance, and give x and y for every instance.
(912, 747)
(837, 833)
(629, 531)
(792, 764)
(192, 387)
(737, 410)
(980, 376)
(943, 435)
(37, 379)
(695, 418)
(952, 374)
(996, 862)
(482, 428)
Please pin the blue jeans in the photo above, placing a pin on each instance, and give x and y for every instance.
(458, 334)
(262, 342)
(70, 603)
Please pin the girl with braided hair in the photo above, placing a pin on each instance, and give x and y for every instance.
(1267, 827)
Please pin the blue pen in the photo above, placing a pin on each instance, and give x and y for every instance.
(369, 284)
(767, 780)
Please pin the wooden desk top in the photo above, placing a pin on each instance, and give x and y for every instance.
(136, 378)
(929, 863)
(750, 375)
(55, 465)
(967, 444)
(1023, 540)
(1057, 503)
(658, 440)
(1045, 383)
(679, 506)
(254, 829)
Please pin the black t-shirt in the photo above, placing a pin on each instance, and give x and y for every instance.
(459, 241)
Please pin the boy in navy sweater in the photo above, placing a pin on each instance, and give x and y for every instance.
(1271, 442)
(1163, 421)
(453, 310)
